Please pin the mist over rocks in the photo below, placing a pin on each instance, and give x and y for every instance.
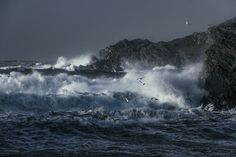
(215, 47)
(198, 69)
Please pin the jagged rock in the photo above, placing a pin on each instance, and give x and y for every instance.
(219, 73)
(217, 47)
(177, 52)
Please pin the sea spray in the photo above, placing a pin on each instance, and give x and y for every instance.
(163, 85)
(69, 64)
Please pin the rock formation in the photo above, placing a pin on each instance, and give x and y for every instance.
(177, 52)
(219, 72)
(217, 47)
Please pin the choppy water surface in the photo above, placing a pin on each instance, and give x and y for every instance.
(66, 115)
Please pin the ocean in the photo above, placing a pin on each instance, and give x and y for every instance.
(51, 110)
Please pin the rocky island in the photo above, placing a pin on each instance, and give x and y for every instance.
(216, 47)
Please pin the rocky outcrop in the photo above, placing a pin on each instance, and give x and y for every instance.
(219, 72)
(177, 52)
(217, 47)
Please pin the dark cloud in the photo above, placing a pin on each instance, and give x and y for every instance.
(42, 30)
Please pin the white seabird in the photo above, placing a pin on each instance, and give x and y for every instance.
(187, 23)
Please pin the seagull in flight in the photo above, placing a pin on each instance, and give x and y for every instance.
(140, 80)
(187, 23)
(153, 98)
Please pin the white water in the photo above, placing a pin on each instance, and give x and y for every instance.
(166, 84)
(70, 64)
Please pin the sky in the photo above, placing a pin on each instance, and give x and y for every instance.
(46, 29)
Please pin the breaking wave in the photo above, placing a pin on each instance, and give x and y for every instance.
(160, 86)
(69, 64)
(151, 112)
(62, 63)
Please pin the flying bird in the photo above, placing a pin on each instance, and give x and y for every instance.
(140, 80)
(187, 23)
(153, 98)
(127, 100)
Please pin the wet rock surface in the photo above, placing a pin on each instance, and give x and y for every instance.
(217, 47)
(147, 54)
(220, 67)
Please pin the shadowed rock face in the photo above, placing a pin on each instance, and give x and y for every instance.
(177, 52)
(217, 47)
(219, 72)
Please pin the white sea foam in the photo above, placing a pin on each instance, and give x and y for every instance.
(10, 67)
(70, 64)
(166, 67)
(41, 66)
(165, 84)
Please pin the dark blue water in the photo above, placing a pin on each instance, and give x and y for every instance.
(65, 115)
(96, 134)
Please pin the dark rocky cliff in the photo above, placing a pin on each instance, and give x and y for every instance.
(177, 52)
(217, 47)
(219, 72)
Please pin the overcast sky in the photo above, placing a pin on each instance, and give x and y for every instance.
(45, 29)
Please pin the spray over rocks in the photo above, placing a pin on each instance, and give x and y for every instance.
(199, 68)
